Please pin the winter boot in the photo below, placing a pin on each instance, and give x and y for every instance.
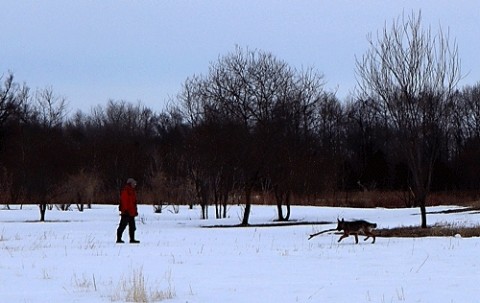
(119, 236)
(132, 235)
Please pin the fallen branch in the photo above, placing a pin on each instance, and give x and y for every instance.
(321, 232)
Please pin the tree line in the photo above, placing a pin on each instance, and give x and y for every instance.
(251, 124)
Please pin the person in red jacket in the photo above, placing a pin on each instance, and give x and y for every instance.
(128, 211)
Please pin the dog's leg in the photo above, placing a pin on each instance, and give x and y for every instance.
(342, 237)
(356, 238)
(369, 234)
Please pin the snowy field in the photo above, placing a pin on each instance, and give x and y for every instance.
(73, 258)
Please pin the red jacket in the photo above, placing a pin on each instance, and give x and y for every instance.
(128, 201)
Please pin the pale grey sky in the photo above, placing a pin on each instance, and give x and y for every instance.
(91, 51)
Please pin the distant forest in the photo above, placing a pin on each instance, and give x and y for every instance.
(252, 125)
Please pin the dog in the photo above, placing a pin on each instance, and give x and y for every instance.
(355, 228)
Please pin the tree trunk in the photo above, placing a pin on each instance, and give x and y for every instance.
(43, 210)
(224, 202)
(287, 216)
(203, 196)
(280, 197)
(281, 217)
(423, 212)
(218, 207)
(280, 211)
(79, 201)
(204, 211)
(420, 201)
(248, 207)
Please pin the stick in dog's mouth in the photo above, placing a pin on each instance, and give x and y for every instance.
(321, 232)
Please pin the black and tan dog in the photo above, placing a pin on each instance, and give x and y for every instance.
(356, 227)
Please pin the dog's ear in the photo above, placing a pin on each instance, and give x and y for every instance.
(343, 219)
(338, 220)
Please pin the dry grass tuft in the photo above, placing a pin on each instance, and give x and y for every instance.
(434, 231)
(135, 290)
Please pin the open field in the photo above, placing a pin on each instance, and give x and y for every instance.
(73, 258)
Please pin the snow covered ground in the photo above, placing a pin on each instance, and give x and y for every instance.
(73, 258)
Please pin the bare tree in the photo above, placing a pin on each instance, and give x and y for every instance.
(50, 108)
(41, 130)
(12, 97)
(465, 133)
(411, 74)
(13, 100)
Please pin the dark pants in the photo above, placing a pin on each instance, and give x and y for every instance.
(124, 221)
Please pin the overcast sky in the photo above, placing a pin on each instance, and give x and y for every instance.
(93, 51)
